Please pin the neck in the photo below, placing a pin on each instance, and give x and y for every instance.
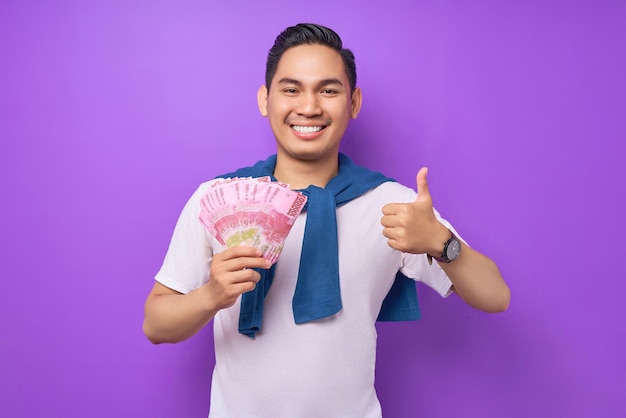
(300, 174)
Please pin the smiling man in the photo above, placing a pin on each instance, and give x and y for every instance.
(298, 338)
(309, 102)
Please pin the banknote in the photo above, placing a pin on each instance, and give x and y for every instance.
(251, 211)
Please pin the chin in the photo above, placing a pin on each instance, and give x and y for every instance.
(311, 155)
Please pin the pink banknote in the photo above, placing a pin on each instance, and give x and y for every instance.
(251, 211)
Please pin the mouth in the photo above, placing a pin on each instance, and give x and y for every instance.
(306, 129)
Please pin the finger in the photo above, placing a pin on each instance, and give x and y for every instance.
(247, 287)
(391, 208)
(393, 244)
(235, 290)
(238, 251)
(388, 221)
(390, 233)
(422, 183)
(247, 275)
(229, 278)
(241, 263)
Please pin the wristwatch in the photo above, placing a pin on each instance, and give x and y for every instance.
(451, 250)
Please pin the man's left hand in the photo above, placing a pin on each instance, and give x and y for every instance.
(413, 227)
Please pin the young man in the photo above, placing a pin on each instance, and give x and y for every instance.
(313, 346)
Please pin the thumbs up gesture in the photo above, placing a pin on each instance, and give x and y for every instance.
(413, 227)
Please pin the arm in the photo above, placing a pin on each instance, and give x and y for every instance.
(170, 316)
(413, 228)
(475, 277)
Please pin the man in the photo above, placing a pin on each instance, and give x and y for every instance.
(319, 361)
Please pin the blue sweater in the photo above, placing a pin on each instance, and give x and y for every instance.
(317, 293)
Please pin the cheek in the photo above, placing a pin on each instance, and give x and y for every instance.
(278, 111)
(341, 112)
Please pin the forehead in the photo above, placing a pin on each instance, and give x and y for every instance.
(311, 63)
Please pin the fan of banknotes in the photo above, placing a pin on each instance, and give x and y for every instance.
(251, 211)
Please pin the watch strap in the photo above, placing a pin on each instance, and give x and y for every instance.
(444, 256)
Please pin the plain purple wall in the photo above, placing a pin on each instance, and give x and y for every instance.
(113, 112)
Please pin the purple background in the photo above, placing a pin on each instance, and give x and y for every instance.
(113, 112)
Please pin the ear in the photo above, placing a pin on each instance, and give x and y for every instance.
(357, 99)
(262, 100)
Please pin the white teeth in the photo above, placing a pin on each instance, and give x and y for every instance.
(306, 129)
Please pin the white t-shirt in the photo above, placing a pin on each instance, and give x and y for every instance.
(323, 368)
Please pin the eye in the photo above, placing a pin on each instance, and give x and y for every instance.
(329, 92)
(290, 91)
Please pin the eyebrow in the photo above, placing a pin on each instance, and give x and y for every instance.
(325, 82)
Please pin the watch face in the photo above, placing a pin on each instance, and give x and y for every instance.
(453, 250)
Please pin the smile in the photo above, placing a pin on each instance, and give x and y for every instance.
(307, 129)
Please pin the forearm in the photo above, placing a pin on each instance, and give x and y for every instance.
(173, 317)
(477, 280)
(414, 228)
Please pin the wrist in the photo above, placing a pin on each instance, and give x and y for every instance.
(449, 251)
(205, 300)
(439, 239)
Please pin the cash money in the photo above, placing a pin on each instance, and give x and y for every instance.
(251, 211)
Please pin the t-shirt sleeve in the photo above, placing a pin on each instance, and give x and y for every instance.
(416, 266)
(188, 258)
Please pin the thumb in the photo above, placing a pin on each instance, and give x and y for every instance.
(422, 184)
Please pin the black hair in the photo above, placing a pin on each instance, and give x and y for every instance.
(309, 34)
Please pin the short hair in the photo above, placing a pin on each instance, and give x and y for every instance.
(308, 34)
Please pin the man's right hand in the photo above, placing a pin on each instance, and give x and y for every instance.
(172, 317)
(231, 275)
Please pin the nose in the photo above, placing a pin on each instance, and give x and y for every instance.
(309, 105)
